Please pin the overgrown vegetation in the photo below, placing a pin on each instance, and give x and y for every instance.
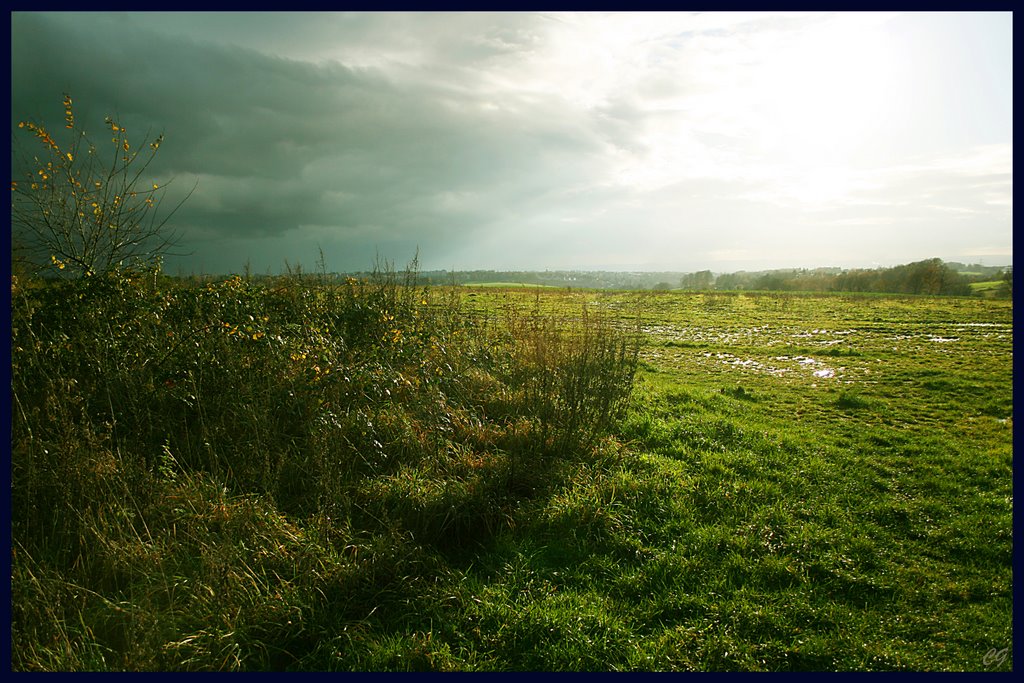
(197, 470)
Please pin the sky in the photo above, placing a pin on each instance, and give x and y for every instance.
(565, 141)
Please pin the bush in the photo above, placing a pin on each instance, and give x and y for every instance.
(572, 376)
(78, 211)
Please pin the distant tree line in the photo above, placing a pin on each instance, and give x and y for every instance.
(931, 276)
(923, 277)
(578, 279)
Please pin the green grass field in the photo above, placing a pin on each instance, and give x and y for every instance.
(991, 288)
(388, 479)
(509, 285)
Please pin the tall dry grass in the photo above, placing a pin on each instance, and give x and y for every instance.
(222, 475)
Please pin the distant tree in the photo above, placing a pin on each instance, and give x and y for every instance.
(730, 281)
(772, 281)
(699, 280)
(934, 277)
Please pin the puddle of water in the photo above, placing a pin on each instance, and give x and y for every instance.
(802, 361)
(730, 359)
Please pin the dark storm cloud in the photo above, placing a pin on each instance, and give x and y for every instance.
(277, 144)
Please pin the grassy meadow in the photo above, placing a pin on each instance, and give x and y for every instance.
(296, 474)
